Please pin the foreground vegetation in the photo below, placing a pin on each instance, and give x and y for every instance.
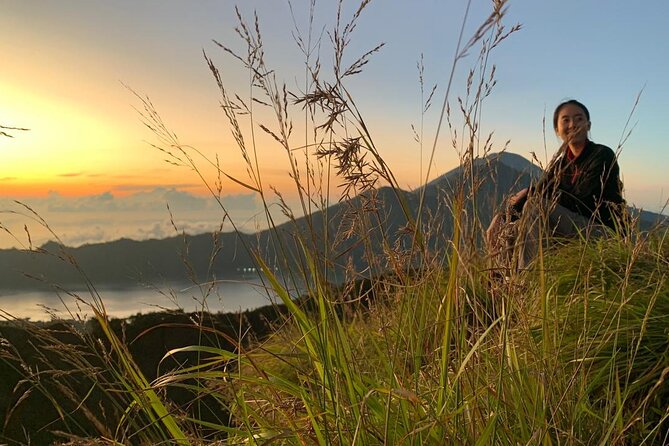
(418, 347)
(574, 352)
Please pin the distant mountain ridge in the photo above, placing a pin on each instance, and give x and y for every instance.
(204, 257)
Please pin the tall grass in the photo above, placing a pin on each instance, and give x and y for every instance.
(572, 352)
(7, 131)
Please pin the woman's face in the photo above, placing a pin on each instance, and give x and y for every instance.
(572, 124)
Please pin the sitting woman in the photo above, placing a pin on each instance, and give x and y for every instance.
(580, 192)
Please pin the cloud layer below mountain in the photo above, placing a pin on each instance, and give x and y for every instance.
(156, 213)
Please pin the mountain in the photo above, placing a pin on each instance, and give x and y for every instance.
(498, 166)
(335, 233)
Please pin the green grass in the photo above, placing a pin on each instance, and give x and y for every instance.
(380, 375)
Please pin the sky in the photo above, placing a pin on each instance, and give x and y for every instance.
(70, 70)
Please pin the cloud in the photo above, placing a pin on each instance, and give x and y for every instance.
(135, 230)
(157, 231)
(159, 198)
(71, 174)
(145, 187)
(242, 201)
(139, 216)
(86, 235)
(165, 229)
(55, 202)
(154, 200)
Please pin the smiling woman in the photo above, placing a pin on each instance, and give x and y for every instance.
(579, 194)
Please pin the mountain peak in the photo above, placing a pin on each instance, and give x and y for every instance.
(514, 161)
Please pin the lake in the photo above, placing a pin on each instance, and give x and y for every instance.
(227, 296)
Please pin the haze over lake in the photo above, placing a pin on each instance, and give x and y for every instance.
(228, 296)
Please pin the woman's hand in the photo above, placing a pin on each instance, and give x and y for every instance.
(519, 196)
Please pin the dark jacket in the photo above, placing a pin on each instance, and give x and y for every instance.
(589, 185)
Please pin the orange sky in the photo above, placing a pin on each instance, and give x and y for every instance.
(65, 82)
(64, 67)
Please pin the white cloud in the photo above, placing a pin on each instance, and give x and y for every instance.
(155, 200)
(104, 217)
(85, 235)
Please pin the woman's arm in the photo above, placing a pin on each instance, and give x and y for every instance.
(518, 197)
(599, 187)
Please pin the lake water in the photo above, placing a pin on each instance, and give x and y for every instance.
(227, 296)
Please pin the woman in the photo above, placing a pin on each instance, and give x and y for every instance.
(580, 190)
